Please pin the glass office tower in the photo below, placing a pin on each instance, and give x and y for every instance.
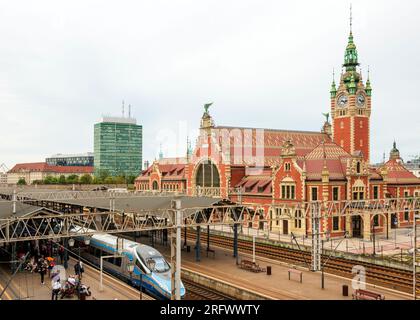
(118, 147)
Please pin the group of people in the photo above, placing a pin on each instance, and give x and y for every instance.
(45, 264)
(71, 286)
(42, 266)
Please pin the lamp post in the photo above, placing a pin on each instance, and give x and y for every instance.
(322, 266)
(130, 269)
(71, 245)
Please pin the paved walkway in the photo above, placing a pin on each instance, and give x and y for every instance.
(277, 286)
(399, 240)
(27, 286)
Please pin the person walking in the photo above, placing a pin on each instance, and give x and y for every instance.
(78, 269)
(56, 288)
(61, 253)
(42, 268)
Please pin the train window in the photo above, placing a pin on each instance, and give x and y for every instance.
(97, 252)
(140, 266)
(117, 262)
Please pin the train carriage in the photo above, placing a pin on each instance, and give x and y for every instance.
(151, 271)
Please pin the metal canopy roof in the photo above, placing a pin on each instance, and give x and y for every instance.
(145, 203)
(22, 210)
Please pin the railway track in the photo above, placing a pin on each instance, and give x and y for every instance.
(195, 291)
(393, 278)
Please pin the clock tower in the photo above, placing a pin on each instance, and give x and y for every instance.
(351, 105)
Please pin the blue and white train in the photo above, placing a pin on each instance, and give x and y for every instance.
(156, 281)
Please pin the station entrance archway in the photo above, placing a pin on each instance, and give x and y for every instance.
(207, 175)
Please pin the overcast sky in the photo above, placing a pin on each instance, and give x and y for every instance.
(265, 64)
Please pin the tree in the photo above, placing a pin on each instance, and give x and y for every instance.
(86, 179)
(50, 180)
(97, 180)
(73, 178)
(21, 182)
(131, 179)
(62, 179)
(119, 180)
(102, 174)
(109, 180)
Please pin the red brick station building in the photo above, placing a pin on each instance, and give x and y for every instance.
(271, 166)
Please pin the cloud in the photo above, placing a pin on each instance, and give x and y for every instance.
(264, 64)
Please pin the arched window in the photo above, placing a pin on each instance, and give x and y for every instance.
(207, 175)
(155, 185)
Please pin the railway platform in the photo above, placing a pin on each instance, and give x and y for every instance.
(222, 266)
(27, 286)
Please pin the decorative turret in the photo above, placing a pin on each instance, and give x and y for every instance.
(333, 90)
(160, 153)
(352, 86)
(350, 56)
(395, 153)
(368, 87)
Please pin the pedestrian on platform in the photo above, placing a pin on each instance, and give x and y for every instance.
(78, 269)
(61, 253)
(56, 288)
(51, 265)
(42, 268)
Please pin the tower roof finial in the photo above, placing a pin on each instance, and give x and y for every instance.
(351, 18)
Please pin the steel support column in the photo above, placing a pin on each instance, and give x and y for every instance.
(185, 234)
(235, 240)
(176, 252)
(197, 245)
(415, 255)
(208, 238)
(65, 254)
(316, 236)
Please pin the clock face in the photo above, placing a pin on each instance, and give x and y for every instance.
(342, 101)
(360, 100)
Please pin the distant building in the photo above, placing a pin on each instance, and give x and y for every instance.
(118, 146)
(165, 174)
(40, 170)
(3, 173)
(414, 166)
(81, 159)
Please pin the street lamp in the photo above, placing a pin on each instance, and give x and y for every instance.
(130, 269)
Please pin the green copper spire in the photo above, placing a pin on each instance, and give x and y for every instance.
(350, 56)
(352, 85)
(368, 87)
(333, 88)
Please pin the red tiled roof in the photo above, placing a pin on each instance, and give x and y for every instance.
(397, 173)
(243, 140)
(44, 167)
(168, 171)
(335, 161)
